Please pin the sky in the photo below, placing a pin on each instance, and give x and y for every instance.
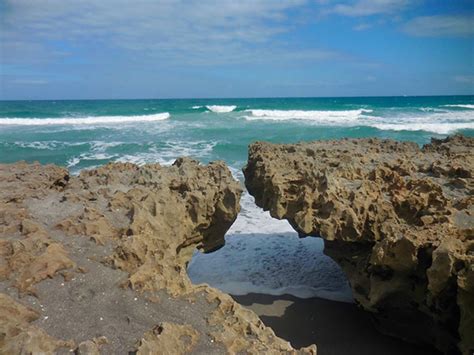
(110, 49)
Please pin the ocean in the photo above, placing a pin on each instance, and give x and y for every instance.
(262, 254)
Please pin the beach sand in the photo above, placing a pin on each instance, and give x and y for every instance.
(337, 328)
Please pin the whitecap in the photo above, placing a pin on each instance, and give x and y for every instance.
(431, 109)
(48, 145)
(332, 116)
(439, 128)
(431, 120)
(101, 146)
(221, 109)
(470, 106)
(84, 120)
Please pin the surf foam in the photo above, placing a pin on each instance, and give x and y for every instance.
(461, 106)
(313, 115)
(221, 109)
(265, 255)
(167, 153)
(439, 128)
(271, 264)
(84, 120)
(164, 153)
(431, 120)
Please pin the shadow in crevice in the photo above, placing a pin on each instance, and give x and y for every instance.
(335, 327)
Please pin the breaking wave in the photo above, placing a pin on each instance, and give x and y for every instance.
(83, 120)
(461, 106)
(221, 109)
(316, 116)
(439, 128)
(431, 120)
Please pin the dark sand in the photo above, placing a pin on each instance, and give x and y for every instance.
(336, 328)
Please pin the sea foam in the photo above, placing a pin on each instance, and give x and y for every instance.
(164, 153)
(221, 109)
(265, 255)
(312, 115)
(461, 106)
(273, 264)
(439, 128)
(83, 120)
(431, 120)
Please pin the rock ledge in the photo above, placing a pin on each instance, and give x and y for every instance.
(96, 263)
(399, 220)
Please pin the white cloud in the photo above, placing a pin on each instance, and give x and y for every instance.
(362, 27)
(440, 26)
(29, 82)
(465, 79)
(169, 30)
(361, 8)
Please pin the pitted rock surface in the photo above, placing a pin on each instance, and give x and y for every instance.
(399, 219)
(96, 263)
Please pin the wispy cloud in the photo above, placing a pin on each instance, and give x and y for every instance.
(362, 27)
(170, 30)
(29, 82)
(440, 26)
(362, 8)
(465, 79)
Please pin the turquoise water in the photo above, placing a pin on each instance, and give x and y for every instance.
(84, 134)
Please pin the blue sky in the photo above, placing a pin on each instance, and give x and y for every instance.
(57, 49)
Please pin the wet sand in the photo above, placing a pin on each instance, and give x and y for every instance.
(336, 328)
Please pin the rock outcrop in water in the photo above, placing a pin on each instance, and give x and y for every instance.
(398, 219)
(96, 263)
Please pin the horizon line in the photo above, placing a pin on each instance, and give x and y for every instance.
(241, 98)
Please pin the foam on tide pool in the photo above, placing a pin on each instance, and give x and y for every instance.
(265, 255)
(271, 264)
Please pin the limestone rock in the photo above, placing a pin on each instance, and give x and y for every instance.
(168, 338)
(126, 225)
(91, 347)
(27, 253)
(399, 220)
(19, 336)
(166, 214)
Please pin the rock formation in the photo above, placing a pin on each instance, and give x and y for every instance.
(96, 263)
(398, 219)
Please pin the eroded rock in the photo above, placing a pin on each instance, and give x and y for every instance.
(105, 255)
(398, 219)
(19, 336)
(169, 338)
